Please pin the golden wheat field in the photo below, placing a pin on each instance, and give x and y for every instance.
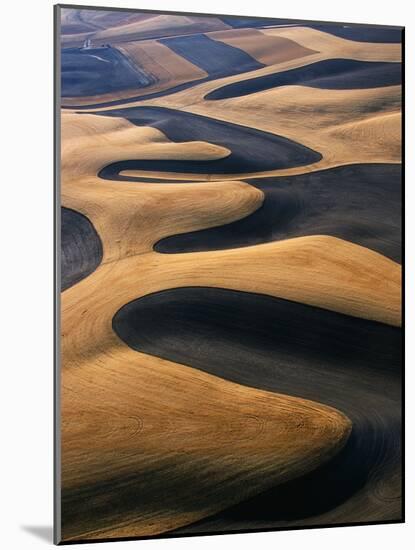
(230, 231)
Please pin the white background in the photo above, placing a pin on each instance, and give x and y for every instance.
(26, 234)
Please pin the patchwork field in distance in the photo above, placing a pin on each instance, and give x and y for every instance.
(231, 282)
